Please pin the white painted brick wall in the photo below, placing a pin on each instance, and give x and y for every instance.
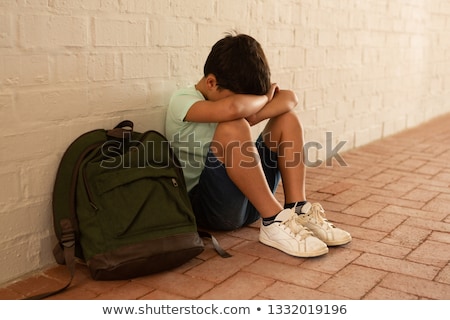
(361, 69)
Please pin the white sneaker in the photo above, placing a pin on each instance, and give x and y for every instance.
(287, 235)
(313, 218)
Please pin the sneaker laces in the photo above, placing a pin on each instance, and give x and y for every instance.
(299, 231)
(316, 214)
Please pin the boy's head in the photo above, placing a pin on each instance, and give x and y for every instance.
(239, 65)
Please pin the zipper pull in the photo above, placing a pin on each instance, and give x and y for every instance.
(174, 182)
(93, 205)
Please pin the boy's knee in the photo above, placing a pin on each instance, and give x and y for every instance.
(236, 130)
(236, 125)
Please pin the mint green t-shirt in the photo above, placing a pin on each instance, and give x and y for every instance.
(190, 140)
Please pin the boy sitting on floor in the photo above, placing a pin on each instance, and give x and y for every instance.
(231, 179)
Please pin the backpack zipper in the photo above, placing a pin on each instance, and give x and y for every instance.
(88, 191)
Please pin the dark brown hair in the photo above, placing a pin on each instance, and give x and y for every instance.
(239, 64)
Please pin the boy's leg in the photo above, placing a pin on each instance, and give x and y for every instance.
(233, 146)
(284, 135)
(235, 151)
(217, 200)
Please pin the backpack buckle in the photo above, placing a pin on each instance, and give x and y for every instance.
(67, 238)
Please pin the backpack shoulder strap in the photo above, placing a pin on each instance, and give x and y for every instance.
(215, 243)
(68, 243)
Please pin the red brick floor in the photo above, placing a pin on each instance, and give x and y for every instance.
(393, 197)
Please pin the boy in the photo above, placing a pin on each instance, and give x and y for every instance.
(230, 179)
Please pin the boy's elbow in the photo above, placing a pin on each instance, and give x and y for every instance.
(293, 99)
(236, 110)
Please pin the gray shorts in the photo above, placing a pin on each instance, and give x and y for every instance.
(218, 204)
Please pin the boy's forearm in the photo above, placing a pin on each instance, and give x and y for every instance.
(282, 102)
(246, 105)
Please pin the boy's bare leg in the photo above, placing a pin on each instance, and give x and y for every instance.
(233, 145)
(284, 135)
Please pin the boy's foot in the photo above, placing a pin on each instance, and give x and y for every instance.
(287, 235)
(312, 216)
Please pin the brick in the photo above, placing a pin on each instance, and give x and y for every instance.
(414, 269)
(407, 236)
(294, 57)
(431, 252)
(399, 188)
(314, 57)
(440, 237)
(428, 169)
(177, 284)
(25, 70)
(427, 223)
(104, 6)
(126, 33)
(47, 31)
(379, 293)
(6, 111)
(443, 176)
(384, 178)
(280, 36)
(145, 65)
(6, 31)
(158, 8)
(396, 201)
(286, 291)
(161, 295)
(337, 259)
(340, 219)
(420, 195)
(110, 98)
(53, 104)
(218, 269)
(29, 145)
(383, 221)
(182, 63)
(379, 248)
(71, 68)
(348, 197)
(74, 293)
(174, 34)
(438, 205)
(10, 189)
(313, 98)
(444, 275)
(420, 287)
(8, 294)
(353, 282)
(35, 285)
(35, 178)
(309, 278)
(364, 208)
(245, 286)
(102, 67)
(257, 249)
(130, 290)
(227, 10)
(328, 38)
(377, 188)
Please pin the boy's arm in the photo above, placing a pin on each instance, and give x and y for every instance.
(282, 102)
(236, 106)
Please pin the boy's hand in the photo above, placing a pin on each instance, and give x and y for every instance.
(273, 90)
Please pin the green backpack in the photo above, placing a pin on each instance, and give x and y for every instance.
(120, 204)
